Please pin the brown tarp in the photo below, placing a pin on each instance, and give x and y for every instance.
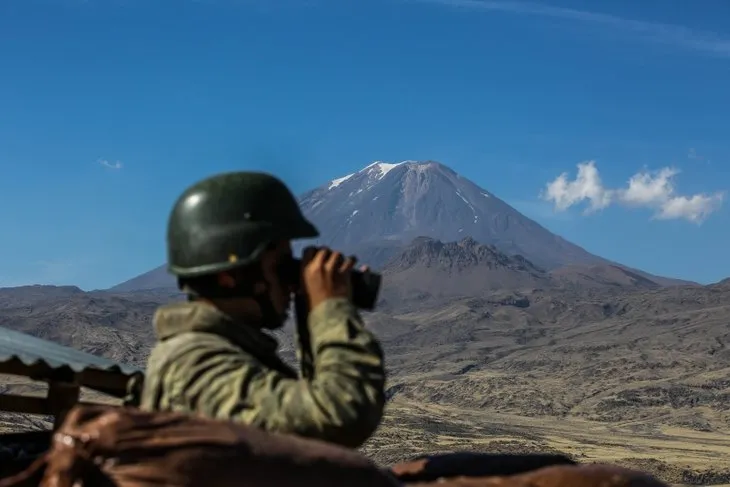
(130, 448)
(467, 464)
(555, 476)
(124, 447)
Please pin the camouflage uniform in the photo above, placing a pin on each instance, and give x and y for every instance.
(206, 363)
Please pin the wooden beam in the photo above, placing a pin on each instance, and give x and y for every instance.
(62, 397)
(13, 403)
(107, 382)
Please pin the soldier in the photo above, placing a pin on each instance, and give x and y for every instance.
(226, 239)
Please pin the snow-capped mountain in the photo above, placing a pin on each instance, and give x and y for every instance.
(388, 205)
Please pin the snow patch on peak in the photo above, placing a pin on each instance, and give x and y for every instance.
(379, 169)
(349, 218)
(386, 168)
(336, 182)
(468, 204)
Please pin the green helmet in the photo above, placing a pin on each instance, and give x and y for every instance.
(228, 220)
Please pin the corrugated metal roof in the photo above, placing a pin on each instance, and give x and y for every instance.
(32, 351)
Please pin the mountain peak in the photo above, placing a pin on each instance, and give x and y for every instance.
(388, 201)
(378, 170)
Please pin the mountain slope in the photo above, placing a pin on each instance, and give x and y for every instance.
(116, 326)
(377, 211)
(429, 268)
(154, 279)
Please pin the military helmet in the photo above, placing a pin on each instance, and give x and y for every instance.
(228, 220)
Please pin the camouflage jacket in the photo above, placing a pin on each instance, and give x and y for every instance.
(205, 363)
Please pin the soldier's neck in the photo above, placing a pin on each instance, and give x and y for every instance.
(242, 310)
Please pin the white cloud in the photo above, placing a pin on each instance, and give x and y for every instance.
(653, 190)
(587, 186)
(110, 165)
(694, 208)
(646, 189)
(677, 35)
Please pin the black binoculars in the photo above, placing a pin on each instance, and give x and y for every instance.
(365, 285)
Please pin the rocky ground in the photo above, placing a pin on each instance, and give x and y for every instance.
(637, 376)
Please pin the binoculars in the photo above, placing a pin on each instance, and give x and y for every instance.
(365, 285)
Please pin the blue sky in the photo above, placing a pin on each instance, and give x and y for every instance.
(509, 94)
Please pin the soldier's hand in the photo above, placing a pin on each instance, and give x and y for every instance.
(326, 275)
